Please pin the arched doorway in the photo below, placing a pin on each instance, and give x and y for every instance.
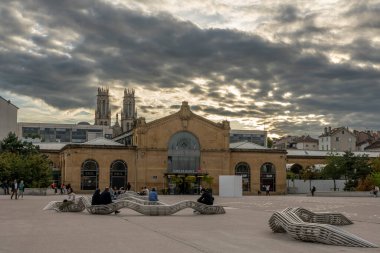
(242, 169)
(268, 177)
(118, 174)
(183, 161)
(89, 175)
(296, 169)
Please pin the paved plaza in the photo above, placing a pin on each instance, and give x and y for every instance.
(26, 228)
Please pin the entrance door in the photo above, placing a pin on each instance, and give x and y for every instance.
(118, 174)
(268, 177)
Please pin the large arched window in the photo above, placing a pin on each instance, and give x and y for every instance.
(242, 169)
(183, 153)
(89, 175)
(118, 174)
(268, 176)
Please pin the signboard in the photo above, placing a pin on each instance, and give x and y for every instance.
(89, 173)
(118, 173)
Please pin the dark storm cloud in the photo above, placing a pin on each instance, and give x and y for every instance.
(287, 13)
(59, 51)
(196, 90)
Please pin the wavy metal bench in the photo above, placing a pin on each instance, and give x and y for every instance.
(322, 217)
(289, 221)
(82, 203)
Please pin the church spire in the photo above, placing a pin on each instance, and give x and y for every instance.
(128, 114)
(103, 109)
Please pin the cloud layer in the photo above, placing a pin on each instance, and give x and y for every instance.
(291, 68)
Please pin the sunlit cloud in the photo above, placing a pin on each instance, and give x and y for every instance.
(288, 67)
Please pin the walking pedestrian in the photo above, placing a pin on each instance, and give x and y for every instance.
(21, 188)
(14, 189)
(313, 190)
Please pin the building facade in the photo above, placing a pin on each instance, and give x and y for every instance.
(337, 139)
(255, 136)
(176, 154)
(65, 133)
(8, 116)
(307, 143)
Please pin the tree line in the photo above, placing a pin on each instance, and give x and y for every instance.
(23, 161)
(359, 171)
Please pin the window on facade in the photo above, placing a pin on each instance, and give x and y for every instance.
(337, 138)
(89, 175)
(242, 169)
(118, 174)
(183, 153)
(268, 177)
(342, 132)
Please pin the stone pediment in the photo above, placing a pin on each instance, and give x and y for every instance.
(185, 114)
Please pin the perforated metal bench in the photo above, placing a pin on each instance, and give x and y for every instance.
(289, 220)
(138, 205)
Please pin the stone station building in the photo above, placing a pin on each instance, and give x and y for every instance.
(175, 154)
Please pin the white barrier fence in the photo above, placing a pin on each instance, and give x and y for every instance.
(301, 186)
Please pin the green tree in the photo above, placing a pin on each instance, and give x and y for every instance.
(13, 145)
(362, 167)
(334, 169)
(375, 164)
(269, 142)
(22, 160)
(309, 173)
(376, 178)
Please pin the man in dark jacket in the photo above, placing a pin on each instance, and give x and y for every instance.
(105, 198)
(96, 198)
(206, 197)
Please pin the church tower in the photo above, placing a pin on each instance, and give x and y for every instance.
(128, 113)
(103, 110)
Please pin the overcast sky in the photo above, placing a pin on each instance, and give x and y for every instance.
(291, 67)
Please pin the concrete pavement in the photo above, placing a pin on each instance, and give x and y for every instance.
(244, 228)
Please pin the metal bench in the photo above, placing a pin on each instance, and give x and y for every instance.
(289, 221)
(138, 205)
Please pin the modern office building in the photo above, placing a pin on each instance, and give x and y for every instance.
(254, 136)
(8, 117)
(75, 133)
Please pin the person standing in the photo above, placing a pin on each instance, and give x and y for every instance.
(63, 187)
(313, 190)
(375, 191)
(129, 186)
(153, 195)
(21, 188)
(267, 190)
(6, 187)
(14, 189)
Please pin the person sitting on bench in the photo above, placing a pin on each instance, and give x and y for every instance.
(206, 197)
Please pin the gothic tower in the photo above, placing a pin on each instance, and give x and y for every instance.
(103, 110)
(128, 113)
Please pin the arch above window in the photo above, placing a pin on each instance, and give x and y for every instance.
(268, 168)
